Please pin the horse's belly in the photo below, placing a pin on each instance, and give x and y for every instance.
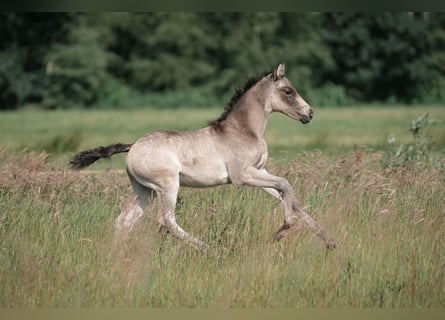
(203, 176)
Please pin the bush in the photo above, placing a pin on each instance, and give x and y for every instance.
(114, 93)
(330, 95)
(26, 39)
(433, 93)
(15, 83)
(379, 55)
(416, 151)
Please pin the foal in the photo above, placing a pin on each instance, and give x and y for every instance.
(230, 149)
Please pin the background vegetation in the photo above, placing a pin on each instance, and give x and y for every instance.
(64, 60)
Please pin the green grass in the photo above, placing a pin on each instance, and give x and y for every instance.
(334, 130)
(57, 244)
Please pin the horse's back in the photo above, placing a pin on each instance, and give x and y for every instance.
(189, 156)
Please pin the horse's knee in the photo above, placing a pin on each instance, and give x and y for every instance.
(290, 220)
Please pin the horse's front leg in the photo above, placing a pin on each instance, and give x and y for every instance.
(282, 190)
(286, 227)
(276, 186)
(313, 225)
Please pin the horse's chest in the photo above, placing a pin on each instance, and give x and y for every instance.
(261, 161)
(261, 156)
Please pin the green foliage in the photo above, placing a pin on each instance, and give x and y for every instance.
(16, 84)
(434, 92)
(379, 56)
(210, 52)
(330, 94)
(26, 39)
(76, 70)
(413, 152)
(431, 93)
(436, 37)
(114, 93)
(173, 56)
(64, 60)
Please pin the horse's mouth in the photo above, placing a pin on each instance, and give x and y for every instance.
(305, 119)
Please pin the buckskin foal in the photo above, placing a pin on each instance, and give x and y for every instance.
(230, 149)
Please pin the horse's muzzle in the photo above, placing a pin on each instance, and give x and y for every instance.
(307, 118)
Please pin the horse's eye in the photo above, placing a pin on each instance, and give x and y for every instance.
(287, 91)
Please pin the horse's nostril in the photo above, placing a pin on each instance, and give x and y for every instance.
(311, 113)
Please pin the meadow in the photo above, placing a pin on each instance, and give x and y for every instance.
(57, 245)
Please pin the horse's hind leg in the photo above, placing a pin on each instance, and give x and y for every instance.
(130, 215)
(167, 220)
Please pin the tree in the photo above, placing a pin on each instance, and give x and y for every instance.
(26, 37)
(160, 51)
(62, 60)
(76, 69)
(378, 56)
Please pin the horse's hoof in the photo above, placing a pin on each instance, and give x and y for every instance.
(331, 245)
(204, 248)
(282, 232)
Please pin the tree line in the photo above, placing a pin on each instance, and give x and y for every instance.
(65, 60)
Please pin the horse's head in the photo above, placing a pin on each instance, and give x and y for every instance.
(284, 98)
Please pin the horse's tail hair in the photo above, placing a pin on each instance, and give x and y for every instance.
(85, 158)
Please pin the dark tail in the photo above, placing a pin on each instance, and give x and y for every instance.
(85, 158)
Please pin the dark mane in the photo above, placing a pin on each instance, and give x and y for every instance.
(236, 97)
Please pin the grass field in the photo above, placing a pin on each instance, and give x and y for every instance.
(334, 130)
(56, 226)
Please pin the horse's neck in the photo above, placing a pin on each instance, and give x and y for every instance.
(250, 116)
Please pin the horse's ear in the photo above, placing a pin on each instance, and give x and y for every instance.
(279, 72)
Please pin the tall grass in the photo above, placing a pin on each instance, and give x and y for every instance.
(57, 245)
